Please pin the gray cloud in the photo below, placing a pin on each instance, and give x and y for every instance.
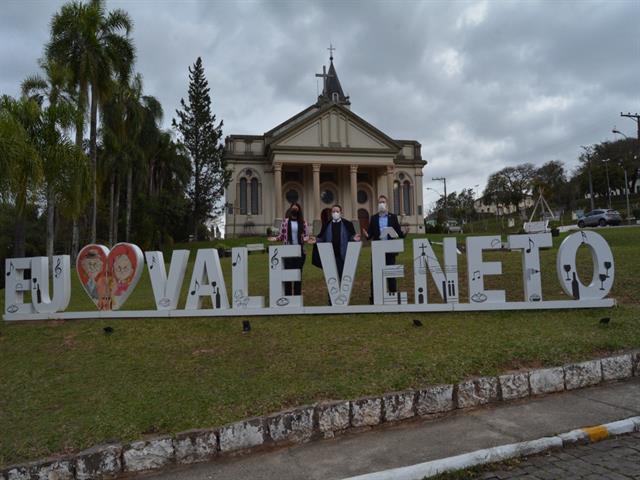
(480, 84)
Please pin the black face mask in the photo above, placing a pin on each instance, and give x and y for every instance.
(294, 213)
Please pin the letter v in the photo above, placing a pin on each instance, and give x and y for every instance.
(167, 291)
(339, 288)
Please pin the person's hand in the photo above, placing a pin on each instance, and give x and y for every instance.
(366, 234)
(311, 240)
(356, 237)
(271, 239)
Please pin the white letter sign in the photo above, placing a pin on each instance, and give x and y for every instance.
(40, 298)
(207, 281)
(278, 274)
(477, 269)
(381, 272)
(424, 261)
(240, 280)
(339, 288)
(603, 268)
(166, 292)
(530, 246)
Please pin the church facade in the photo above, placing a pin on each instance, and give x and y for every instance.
(324, 155)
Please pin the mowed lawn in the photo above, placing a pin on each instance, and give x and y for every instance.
(65, 385)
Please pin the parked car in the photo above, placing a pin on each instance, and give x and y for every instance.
(600, 218)
(452, 226)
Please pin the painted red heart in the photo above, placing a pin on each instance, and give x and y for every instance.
(109, 277)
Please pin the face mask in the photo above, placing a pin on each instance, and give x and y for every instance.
(294, 213)
(382, 206)
(336, 215)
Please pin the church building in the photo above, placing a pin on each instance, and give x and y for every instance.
(324, 155)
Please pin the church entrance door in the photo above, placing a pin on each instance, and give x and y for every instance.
(363, 219)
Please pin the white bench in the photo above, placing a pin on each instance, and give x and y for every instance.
(536, 227)
(255, 247)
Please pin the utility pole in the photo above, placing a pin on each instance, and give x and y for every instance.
(626, 181)
(587, 152)
(444, 181)
(636, 118)
(606, 169)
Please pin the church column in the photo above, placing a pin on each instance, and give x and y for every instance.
(316, 190)
(390, 187)
(353, 170)
(418, 193)
(277, 174)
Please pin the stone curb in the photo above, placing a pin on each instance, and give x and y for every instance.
(505, 452)
(327, 419)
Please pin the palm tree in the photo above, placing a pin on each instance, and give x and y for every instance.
(22, 169)
(75, 181)
(55, 148)
(94, 45)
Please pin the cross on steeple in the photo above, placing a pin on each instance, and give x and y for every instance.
(325, 76)
(331, 49)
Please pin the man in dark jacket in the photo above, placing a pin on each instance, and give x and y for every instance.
(379, 222)
(339, 231)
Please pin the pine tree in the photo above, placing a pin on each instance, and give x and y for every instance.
(201, 139)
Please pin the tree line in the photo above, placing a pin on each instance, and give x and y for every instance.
(83, 152)
(601, 169)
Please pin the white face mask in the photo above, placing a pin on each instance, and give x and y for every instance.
(382, 206)
(336, 215)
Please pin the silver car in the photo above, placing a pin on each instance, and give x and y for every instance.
(600, 218)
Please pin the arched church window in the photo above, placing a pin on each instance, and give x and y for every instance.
(327, 197)
(406, 197)
(396, 197)
(255, 203)
(292, 195)
(335, 96)
(243, 196)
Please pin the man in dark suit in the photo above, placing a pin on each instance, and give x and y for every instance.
(379, 222)
(339, 231)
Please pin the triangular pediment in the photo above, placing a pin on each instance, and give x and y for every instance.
(331, 127)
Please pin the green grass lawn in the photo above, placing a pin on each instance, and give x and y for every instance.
(65, 385)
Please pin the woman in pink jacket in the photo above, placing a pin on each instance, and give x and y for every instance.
(294, 230)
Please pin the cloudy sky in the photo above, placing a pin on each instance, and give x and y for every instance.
(480, 84)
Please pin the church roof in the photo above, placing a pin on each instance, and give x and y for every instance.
(332, 86)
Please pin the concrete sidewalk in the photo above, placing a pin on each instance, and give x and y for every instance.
(422, 440)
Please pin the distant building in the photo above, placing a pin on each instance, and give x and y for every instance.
(502, 209)
(325, 154)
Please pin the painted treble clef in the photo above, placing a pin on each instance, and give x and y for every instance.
(58, 269)
(274, 259)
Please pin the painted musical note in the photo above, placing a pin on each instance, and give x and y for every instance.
(237, 260)
(11, 269)
(274, 259)
(154, 261)
(58, 269)
(476, 275)
(197, 287)
(531, 245)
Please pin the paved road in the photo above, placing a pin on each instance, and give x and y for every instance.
(615, 459)
(421, 440)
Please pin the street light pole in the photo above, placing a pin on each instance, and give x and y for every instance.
(606, 171)
(588, 153)
(626, 181)
(444, 181)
